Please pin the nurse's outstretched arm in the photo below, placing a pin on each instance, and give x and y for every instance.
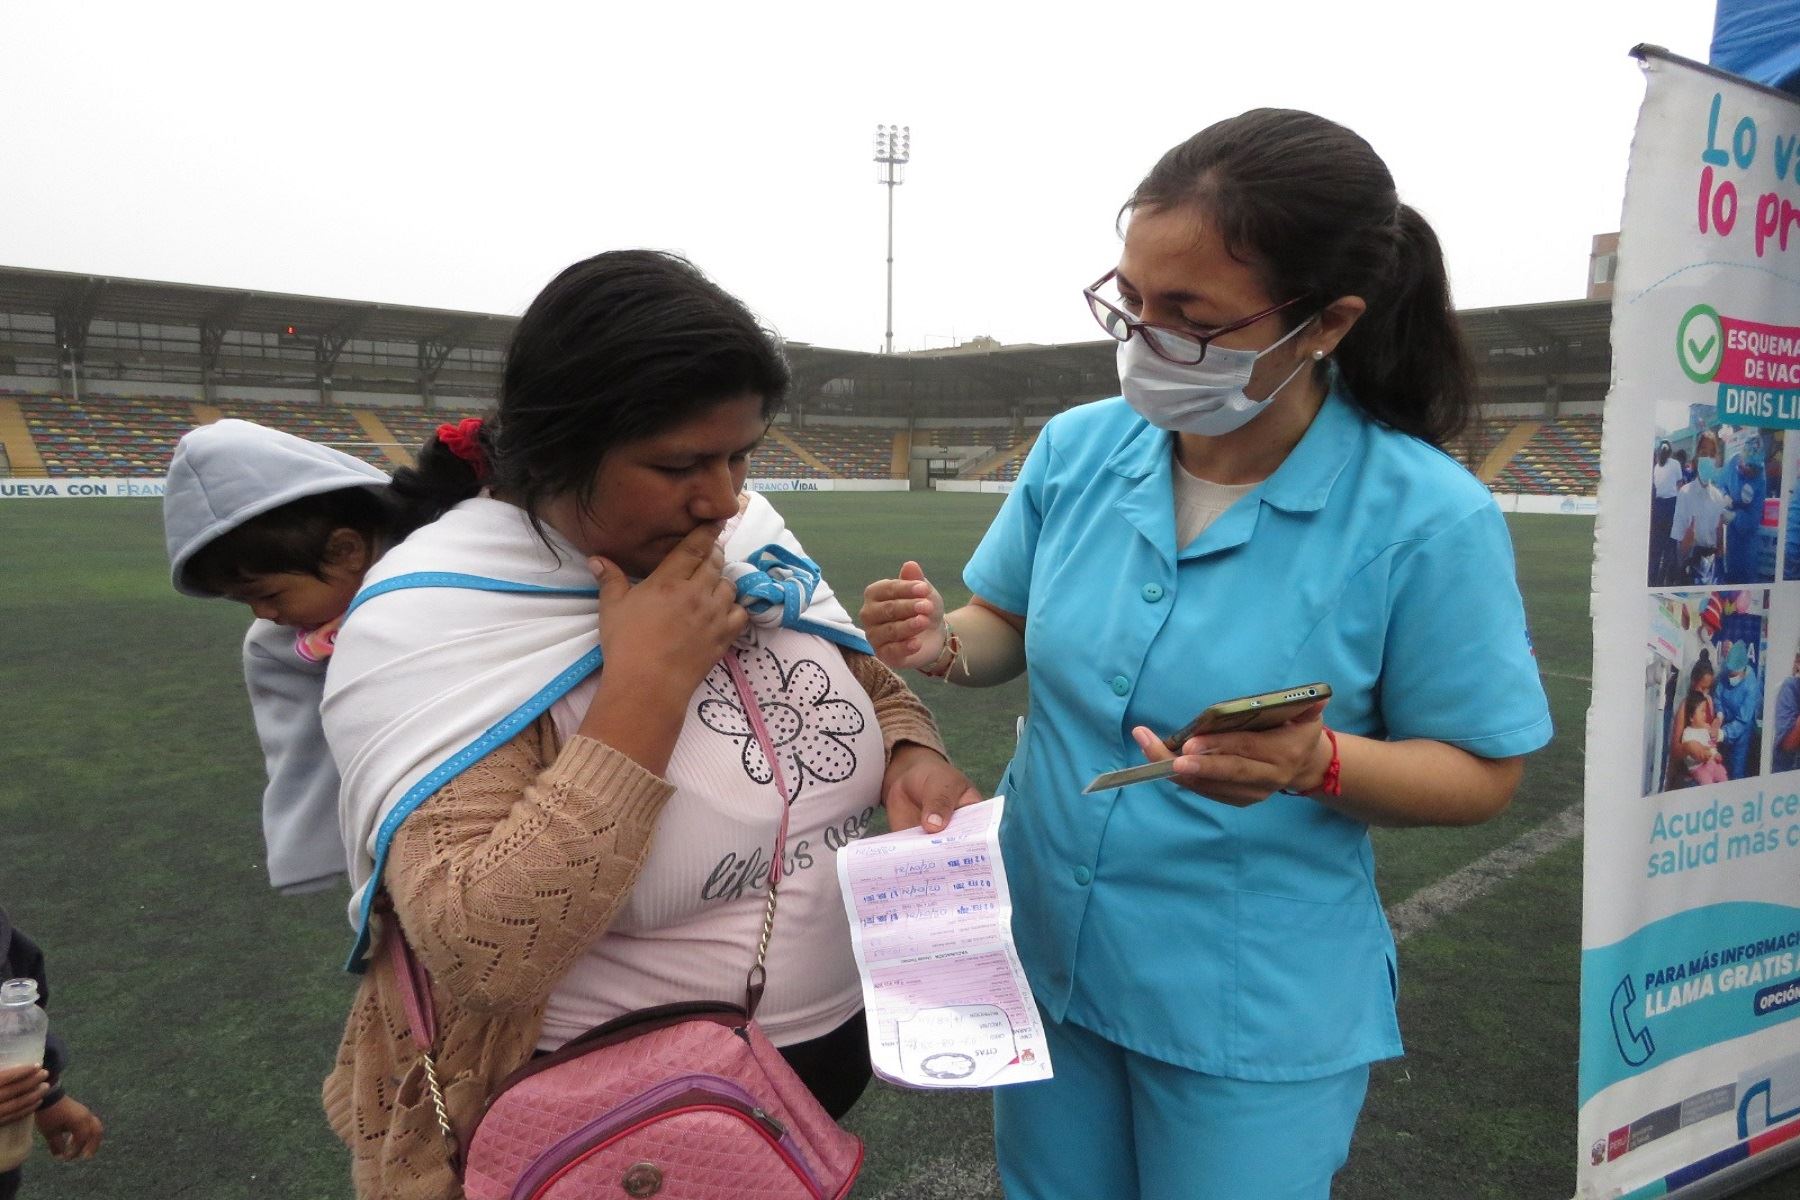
(1412, 782)
(1421, 782)
(907, 626)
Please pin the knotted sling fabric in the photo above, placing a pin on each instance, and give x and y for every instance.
(474, 627)
(775, 584)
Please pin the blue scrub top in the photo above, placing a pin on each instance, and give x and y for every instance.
(1250, 942)
(1740, 704)
(1787, 711)
(1744, 539)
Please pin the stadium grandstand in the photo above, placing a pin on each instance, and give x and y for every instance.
(99, 377)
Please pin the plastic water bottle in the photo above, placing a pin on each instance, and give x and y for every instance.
(23, 1026)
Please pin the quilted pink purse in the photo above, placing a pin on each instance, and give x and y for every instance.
(682, 1102)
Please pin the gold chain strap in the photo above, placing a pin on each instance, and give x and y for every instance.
(437, 1099)
(758, 976)
(768, 928)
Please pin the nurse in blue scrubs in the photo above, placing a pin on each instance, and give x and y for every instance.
(1738, 694)
(1266, 505)
(1747, 486)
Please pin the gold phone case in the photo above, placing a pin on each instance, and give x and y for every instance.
(1223, 717)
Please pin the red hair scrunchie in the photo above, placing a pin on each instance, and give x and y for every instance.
(463, 439)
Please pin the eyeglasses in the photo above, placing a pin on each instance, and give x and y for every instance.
(1171, 345)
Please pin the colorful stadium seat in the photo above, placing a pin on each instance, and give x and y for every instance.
(1561, 459)
(113, 435)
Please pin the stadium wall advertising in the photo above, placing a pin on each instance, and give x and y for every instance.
(994, 487)
(87, 488)
(1553, 506)
(826, 485)
(83, 488)
(1690, 979)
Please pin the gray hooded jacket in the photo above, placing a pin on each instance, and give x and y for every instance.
(222, 475)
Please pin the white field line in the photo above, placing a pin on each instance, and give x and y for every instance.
(1425, 907)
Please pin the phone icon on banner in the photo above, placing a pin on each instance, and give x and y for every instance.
(1635, 1045)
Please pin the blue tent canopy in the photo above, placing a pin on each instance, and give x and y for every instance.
(1759, 40)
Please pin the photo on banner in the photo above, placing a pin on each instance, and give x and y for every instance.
(1704, 698)
(1715, 498)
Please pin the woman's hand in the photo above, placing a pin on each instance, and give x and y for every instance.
(1241, 769)
(660, 638)
(904, 619)
(922, 788)
(668, 631)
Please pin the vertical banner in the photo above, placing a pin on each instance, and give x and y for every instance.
(1690, 971)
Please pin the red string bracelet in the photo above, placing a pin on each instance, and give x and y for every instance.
(1332, 784)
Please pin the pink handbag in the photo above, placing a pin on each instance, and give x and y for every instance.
(683, 1101)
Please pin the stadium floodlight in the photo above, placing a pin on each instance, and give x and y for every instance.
(893, 150)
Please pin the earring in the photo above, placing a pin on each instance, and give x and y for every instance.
(1318, 356)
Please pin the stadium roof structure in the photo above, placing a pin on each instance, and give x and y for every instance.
(1533, 351)
(136, 329)
(89, 327)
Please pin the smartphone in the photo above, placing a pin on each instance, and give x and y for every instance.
(1265, 711)
(1246, 712)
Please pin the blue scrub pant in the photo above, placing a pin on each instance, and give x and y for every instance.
(1662, 547)
(1114, 1123)
(1742, 551)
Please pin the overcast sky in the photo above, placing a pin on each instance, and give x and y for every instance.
(459, 155)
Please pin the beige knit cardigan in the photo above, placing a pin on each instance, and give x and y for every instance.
(501, 880)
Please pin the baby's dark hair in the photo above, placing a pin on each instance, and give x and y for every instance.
(1694, 698)
(294, 538)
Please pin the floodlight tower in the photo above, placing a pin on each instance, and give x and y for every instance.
(893, 150)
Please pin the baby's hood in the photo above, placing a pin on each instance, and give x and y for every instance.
(227, 472)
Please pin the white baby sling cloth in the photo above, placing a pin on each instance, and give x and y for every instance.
(470, 630)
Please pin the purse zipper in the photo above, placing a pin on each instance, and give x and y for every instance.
(603, 1138)
(669, 1097)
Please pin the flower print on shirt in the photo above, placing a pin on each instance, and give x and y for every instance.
(807, 725)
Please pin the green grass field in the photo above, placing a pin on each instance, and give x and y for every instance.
(203, 1009)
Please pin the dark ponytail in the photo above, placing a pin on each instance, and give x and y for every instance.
(438, 481)
(1312, 207)
(1405, 361)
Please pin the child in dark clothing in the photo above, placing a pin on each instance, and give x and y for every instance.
(70, 1129)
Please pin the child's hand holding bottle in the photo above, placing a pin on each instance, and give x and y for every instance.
(70, 1129)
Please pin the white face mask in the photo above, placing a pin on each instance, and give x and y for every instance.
(1205, 398)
